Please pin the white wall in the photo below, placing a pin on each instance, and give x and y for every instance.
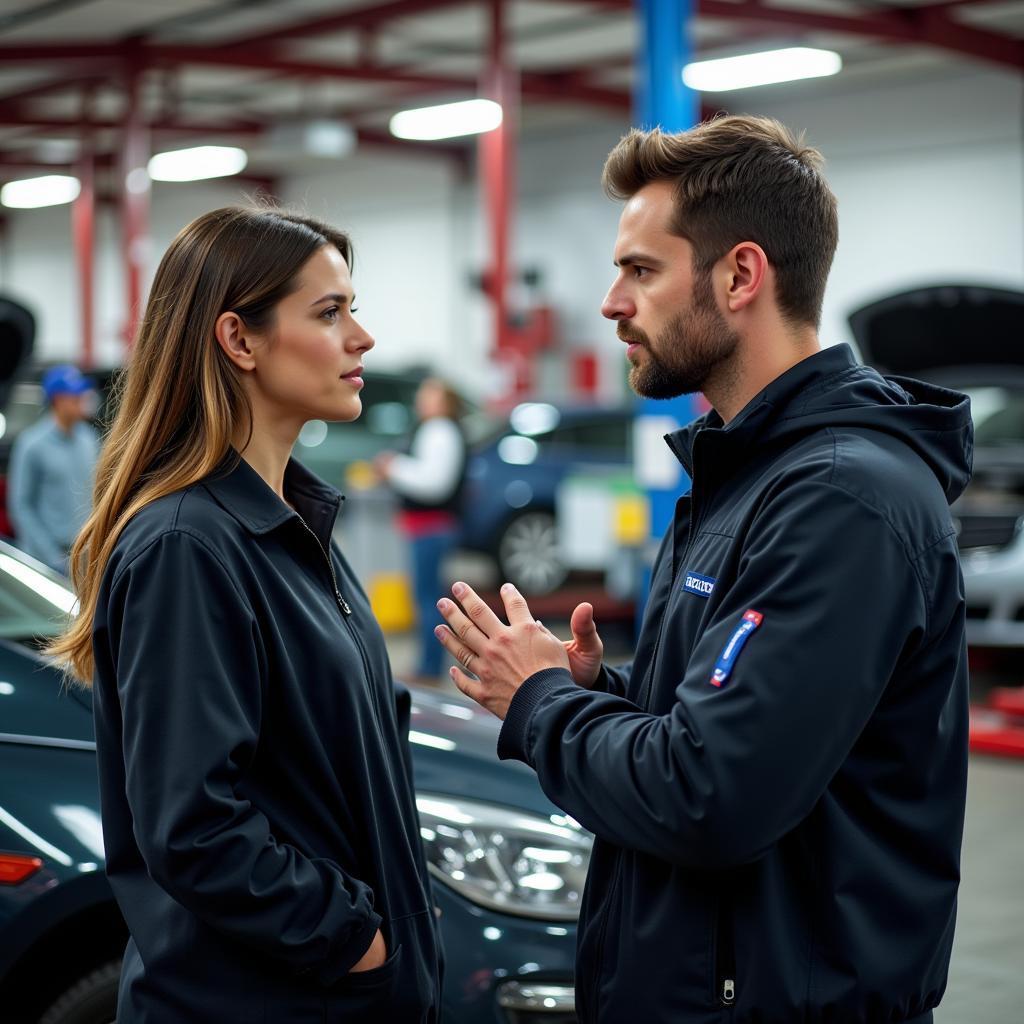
(400, 214)
(929, 175)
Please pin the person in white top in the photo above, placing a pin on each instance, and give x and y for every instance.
(428, 481)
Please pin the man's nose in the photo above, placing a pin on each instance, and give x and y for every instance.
(617, 305)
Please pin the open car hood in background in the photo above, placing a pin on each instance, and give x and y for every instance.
(17, 335)
(931, 331)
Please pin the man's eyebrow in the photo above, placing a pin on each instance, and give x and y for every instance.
(633, 258)
(332, 297)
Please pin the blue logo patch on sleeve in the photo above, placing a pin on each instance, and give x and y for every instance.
(702, 586)
(727, 659)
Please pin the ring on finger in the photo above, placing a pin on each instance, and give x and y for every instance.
(466, 659)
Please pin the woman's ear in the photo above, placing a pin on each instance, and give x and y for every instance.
(748, 275)
(232, 336)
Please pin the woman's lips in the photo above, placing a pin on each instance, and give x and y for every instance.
(354, 377)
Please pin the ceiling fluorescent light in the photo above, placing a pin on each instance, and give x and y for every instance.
(470, 117)
(766, 68)
(197, 164)
(49, 190)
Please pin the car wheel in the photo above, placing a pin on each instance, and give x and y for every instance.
(90, 1000)
(528, 553)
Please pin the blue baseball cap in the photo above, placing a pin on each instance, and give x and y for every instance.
(65, 380)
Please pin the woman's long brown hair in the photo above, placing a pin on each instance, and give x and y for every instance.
(180, 399)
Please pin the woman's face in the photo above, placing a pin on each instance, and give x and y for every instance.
(310, 364)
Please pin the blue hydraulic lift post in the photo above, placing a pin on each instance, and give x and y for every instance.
(661, 98)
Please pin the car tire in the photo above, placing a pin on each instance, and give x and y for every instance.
(528, 553)
(92, 999)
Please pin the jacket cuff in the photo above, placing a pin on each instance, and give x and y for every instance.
(514, 735)
(360, 943)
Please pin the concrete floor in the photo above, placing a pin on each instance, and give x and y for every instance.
(986, 980)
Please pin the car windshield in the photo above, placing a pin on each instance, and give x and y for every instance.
(34, 602)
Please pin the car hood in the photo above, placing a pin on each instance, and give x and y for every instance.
(36, 702)
(941, 328)
(454, 744)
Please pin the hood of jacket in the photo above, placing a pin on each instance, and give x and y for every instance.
(831, 389)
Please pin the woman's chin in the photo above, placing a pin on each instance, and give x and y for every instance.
(347, 412)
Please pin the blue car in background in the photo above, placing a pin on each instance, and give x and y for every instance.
(513, 479)
(508, 866)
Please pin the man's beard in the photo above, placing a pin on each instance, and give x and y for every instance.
(696, 343)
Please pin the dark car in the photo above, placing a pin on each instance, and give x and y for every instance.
(508, 866)
(513, 479)
(968, 337)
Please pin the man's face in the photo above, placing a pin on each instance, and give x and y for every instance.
(70, 409)
(665, 310)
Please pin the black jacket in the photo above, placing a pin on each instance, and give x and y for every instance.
(777, 785)
(256, 782)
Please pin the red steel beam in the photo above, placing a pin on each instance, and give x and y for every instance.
(134, 186)
(361, 18)
(51, 86)
(15, 118)
(83, 221)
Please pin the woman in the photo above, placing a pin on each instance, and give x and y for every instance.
(258, 812)
(428, 481)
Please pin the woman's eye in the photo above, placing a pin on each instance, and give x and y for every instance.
(330, 314)
(353, 309)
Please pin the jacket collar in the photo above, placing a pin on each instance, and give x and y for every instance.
(749, 425)
(243, 493)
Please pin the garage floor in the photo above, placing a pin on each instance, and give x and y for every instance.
(986, 980)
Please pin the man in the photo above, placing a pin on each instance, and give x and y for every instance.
(49, 490)
(776, 784)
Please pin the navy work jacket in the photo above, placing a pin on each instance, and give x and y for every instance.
(256, 783)
(777, 782)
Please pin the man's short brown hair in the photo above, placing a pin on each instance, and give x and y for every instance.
(739, 179)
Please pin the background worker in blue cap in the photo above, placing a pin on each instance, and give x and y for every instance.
(51, 473)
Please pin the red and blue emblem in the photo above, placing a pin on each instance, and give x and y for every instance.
(727, 659)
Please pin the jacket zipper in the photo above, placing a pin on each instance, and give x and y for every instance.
(676, 569)
(725, 952)
(347, 618)
(342, 603)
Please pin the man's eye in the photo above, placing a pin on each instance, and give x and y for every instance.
(640, 271)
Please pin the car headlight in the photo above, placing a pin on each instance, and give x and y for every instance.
(504, 859)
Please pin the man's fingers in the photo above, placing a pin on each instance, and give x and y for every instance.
(516, 608)
(476, 608)
(470, 687)
(463, 654)
(582, 624)
(461, 625)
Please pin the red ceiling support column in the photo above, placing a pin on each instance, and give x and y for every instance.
(497, 162)
(134, 204)
(83, 229)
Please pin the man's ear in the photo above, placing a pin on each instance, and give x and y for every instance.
(748, 275)
(233, 337)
